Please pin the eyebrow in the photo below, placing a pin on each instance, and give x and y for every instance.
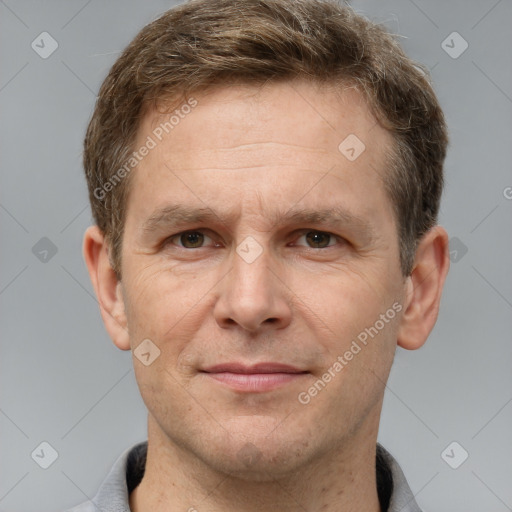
(176, 215)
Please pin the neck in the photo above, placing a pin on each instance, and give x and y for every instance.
(342, 479)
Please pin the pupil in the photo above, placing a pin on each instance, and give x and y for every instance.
(317, 239)
(192, 239)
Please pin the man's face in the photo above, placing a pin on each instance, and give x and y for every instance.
(293, 253)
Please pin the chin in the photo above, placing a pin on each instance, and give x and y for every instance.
(259, 457)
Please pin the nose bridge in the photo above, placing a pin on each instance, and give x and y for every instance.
(252, 296)
(252, 265)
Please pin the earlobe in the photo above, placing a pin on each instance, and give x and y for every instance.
(424, 289)
(107, 286)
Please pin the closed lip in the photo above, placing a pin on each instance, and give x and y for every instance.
(253, 369)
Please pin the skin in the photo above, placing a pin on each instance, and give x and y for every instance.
(250, 155)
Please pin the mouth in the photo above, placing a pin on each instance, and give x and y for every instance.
(256, 378)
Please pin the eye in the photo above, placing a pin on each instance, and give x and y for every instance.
(319, 239)
(189, 239)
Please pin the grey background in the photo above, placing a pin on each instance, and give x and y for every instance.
(61, 379)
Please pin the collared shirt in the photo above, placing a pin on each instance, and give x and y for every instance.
(127, 472)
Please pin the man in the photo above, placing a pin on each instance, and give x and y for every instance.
(265, 177)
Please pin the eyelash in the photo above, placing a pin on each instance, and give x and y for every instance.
(168, 241)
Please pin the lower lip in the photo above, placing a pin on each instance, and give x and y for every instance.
(255, 382)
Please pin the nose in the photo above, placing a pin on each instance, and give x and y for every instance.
(253, 296)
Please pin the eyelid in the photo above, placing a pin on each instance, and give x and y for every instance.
(297, 234)
(169, 239)
(305, 231)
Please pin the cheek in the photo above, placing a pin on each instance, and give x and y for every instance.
(343, 301)
(355, 320)
(156, 295)
(168, 310)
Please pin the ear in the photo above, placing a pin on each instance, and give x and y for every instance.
(107, 286)
(424, 288)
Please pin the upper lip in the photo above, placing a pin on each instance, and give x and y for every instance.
(251, 369)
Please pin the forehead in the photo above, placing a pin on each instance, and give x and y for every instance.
(290, 127)
(295, 113)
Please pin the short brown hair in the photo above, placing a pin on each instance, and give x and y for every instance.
(203, 44)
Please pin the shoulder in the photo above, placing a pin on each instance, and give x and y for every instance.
(113, 494)
(393, 484)
(88, 506)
